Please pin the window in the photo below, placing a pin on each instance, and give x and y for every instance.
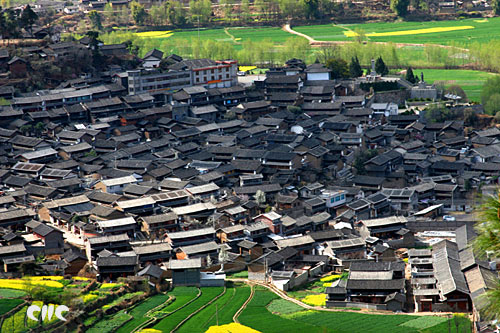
(342, 197)
(337, 198)
(333, 199)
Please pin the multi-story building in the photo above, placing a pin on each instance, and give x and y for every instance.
(154, 80)
(210, 73)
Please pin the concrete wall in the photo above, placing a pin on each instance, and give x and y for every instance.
(344, 304)
(256, 276)
(300, 279)
(316, 270)
(436, 225)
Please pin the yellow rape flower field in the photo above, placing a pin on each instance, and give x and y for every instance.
(154, 34)
(247, 68)
(79, 278)
(350, 33)
(25, 284)
(329, 278)
(231, 328)
(40, 278)
(315, 300)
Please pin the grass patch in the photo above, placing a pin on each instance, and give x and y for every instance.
(11, 293)
(424, 322)
(281, 306)
(239, 275)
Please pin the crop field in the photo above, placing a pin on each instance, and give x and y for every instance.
(170, 322)
(11, 293)
(226, 306)
(8, 304)
(234, 35)
(258, 317)
(470, 81)
(139, 311)
(432, 32)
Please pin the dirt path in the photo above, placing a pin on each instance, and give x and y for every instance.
(317, 43)
(243, 307)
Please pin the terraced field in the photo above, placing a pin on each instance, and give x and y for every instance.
(139, 311)
(226, 306)
(175, 318)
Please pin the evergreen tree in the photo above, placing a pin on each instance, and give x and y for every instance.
(139, 14)
(410, 77)
(339, 68)
(28, 18)
(95, 19)
(400, 7)
(355, 68)
(380, 67)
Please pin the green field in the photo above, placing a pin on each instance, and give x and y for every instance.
(257, 316)
(170, 322)
(483, 31)
(227, 305)
(8, 304)
(139, 311)
(11, 293)
(470, 81)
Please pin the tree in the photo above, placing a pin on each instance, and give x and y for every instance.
(495, 5)
(39, 128)
(200, 10)
(490, 88)
(486, 244)
(95, 19)
(410, 77)
(355, 68)
(339, 68)
(245, 10)
(492, 106)
(294, 109)
(456, 90)
(25, 129)
(400, 7)
(470, 117)
(97, 58)
(380, 67)
(139, 14)
(310, 8)
(176, 14)
(260, 197)
(28, 18)
(361, 158)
